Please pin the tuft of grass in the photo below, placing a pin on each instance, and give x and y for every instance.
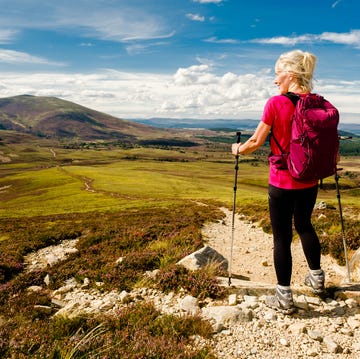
(81, 343)
(135, 332)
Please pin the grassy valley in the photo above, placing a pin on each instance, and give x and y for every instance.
(143, 195)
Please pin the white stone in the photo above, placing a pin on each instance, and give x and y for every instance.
(232, 299)
(119, 260)
(124, 296)
(351, 303)
(313, 300)
(34, 288)
(315, 335)
(86, 283)
(297, 328)
(332, 346)
(356, 346)
(284, 342)
(312, 352)
(353, 323)
(189, 304)
(270, 315)
(354, 265)
(51, 259)
(301, 302)
(47, 280)
(222, 316)
(64, 289)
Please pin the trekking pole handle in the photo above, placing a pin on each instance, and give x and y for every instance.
(238, 135)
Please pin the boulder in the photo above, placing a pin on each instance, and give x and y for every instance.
(355, 266)
(203, 257)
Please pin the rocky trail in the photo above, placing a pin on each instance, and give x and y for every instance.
(243, 326)
(253, 253)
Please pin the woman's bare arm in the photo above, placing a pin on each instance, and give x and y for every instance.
(254, 142)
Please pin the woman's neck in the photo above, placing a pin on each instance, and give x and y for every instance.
(297, 89)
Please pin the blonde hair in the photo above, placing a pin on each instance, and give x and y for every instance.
(301, 64)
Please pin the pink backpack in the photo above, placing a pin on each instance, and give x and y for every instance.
(314, 143)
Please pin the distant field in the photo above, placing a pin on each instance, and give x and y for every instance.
(66, 181)
(122, 185)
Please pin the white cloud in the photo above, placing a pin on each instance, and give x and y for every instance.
(192, 92)
(335, 3)
(87, 44)
(206, 94)
(135, 49)
(208, 1)
(284, 40)
(17, 57)
(195, 17)
(102, 20)
(7, 36)
(351, 38)
(195, 74)
(141, 48)
(215, 40)
(347, 38)
(113, 24)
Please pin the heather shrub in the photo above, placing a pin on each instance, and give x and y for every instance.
(12, 293)
(29, 234)
(135, 332)
(115, 249)
(200, 283)
(330, 233)
(11, 263)
(119, 248)
(148, 334)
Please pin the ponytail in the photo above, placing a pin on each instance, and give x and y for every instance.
(301, 64)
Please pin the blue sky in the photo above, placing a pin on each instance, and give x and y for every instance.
(176, 58)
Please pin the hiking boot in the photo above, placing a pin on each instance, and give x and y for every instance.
(281, 301)
(316, 280)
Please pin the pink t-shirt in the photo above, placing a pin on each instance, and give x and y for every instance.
(277, 114)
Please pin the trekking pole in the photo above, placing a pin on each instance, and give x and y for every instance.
(238, 134)
(342, 225)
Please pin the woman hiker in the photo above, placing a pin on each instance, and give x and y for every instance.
(288, 198)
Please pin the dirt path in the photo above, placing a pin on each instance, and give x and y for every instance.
(253, 253)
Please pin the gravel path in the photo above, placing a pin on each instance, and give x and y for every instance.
(323, 329)
(253, 252)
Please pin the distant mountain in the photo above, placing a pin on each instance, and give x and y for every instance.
(353, 128)
(53, 118)
(199, 123)
(230, 124)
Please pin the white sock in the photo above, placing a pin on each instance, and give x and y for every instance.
(316, 271)
(283, 287)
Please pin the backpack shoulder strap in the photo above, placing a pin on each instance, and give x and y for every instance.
(294, 99)
(276, 141)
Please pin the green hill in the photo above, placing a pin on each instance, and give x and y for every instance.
(54, 118)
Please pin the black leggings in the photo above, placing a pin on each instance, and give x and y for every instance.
(284, 204)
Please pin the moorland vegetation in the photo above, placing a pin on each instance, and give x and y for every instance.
(143, 199)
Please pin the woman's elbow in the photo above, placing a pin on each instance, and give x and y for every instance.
(257, 143)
